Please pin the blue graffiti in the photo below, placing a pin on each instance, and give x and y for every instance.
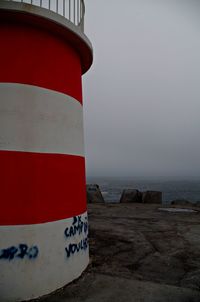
(78, 227)
(21, 251)
(76, 247)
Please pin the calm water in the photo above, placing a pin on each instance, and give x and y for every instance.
(112, 188)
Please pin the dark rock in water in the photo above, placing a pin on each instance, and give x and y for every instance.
(152, 197)
(94, 194)
(181, 202)
(130, 195)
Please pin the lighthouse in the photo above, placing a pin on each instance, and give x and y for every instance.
(43, 217)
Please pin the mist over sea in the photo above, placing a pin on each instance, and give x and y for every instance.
(112, 188)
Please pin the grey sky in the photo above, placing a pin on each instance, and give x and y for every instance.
(142, 95)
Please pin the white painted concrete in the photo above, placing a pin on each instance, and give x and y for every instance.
(34, 119)
(25, 278)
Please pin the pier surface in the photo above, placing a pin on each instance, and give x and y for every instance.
(138, 253)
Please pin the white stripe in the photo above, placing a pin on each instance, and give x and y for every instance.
(24, 278)
(34, 119)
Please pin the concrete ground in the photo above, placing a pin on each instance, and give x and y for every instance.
(138, 253)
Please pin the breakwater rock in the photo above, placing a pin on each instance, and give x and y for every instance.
(94, 194)
(132, 196)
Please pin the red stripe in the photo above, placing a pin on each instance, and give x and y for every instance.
(31, 55)
(37, 188)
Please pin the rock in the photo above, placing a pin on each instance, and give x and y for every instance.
(94, 194)
(130, 195)
(152, 197)
(181, 202)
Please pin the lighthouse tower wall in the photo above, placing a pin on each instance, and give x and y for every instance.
(43, 217)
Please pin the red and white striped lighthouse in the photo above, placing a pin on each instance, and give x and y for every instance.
(43, 217)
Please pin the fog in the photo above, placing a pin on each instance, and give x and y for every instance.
(142, 94)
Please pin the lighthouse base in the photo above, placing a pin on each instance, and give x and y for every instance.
(38, 259)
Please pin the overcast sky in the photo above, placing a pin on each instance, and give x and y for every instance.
(142, 94)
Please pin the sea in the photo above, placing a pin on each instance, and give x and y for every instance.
(112, 188)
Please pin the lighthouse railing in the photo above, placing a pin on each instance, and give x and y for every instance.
(73, 10)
